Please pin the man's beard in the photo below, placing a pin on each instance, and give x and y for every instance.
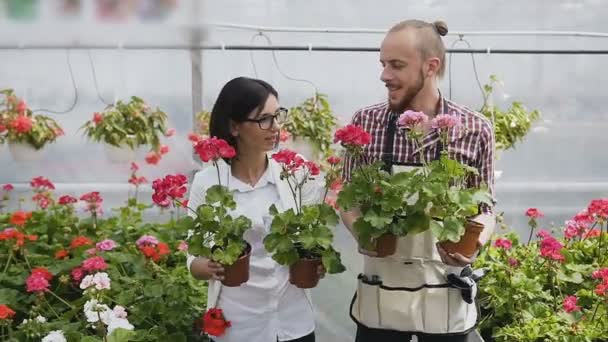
(410, 94)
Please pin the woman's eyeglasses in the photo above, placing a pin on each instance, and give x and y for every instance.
(267, 121)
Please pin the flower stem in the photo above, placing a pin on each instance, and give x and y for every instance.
(532, 227)
(27, 262)
(8, 262)
(599, 246)
(595, 310)
(61, 299)
(51, 307)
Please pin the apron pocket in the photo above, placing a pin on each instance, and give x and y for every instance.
(366, 306)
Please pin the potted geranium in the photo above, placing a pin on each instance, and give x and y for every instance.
(310, 125)
(301, 238)
(372, 191)
(437, 195)
(123, 127)
(212, 232)
(25, 132)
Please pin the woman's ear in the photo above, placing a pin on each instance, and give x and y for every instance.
(234, 129)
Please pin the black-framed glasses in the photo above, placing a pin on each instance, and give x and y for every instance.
(267, 120)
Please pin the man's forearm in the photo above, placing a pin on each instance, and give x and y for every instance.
(349, 218)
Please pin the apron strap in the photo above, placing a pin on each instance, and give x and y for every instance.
(387, 154)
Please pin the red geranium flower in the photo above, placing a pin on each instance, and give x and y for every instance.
(80, 241)
(172, 187)
(67, 199)
(22, 124)
(352, 135)
(534, 213)
(214, 322)
(212, 149)
(42, 183)
(6, 312)
(19, 218)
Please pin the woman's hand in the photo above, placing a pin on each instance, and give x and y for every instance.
(206, 269)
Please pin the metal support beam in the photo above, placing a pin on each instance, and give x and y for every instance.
(236, 47)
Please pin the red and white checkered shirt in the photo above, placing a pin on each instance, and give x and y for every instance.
(471, 142)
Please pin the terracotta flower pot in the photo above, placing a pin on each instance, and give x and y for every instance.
(238, 273)
(303, 273)
(468, 243)
(386, 245)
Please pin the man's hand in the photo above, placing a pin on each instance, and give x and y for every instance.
(455, 259)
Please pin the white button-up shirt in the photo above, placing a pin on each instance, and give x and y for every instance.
(267, 307)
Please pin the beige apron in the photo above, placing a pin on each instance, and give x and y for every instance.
(408, 291)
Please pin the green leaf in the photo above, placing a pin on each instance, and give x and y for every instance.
(121, 335)
(331, 261)
(377, 220)
(575, 278)
(153, 290)
(286, 258)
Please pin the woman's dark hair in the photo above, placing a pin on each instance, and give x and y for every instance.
(236, 100)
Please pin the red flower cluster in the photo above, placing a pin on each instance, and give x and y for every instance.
(62, 254)
(19, 218)
(214, 322)
(153, 158)
(503, 243)
(352, 135)
(155, 252)
(39, 279)
(93, 264)
(602, 288)
(135, 180)
(80, 241)
(41, 183)
(18, 237)
(534, 213)
(172, 187)
(6, 312)
(598, 208)
(333, 160)
(42, 199)
(212, 149)
(8, 187)
(67, 199)
(569, 304)
(22, 124)
(138, 180)
(551, 248)
(93, 200)
(292, 162)
(97, 118)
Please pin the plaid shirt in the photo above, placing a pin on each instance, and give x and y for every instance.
(471, 142)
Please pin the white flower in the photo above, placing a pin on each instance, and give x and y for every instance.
(101, 281)
(120, 312)
(119, 323)
(25, 320)
(54, 336)
(93, 310)
(41, 319)
(86, 282)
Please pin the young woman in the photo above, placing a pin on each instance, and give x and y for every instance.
(267, 308)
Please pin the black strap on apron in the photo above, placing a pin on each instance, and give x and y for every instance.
(389, 143)
(387, 154)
